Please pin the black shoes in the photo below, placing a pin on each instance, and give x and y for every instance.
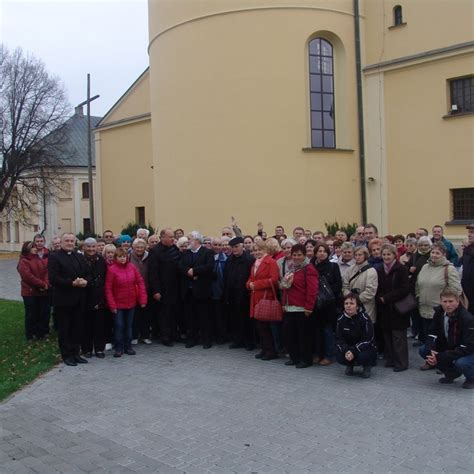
(249, 348)
(446, 380)
(259, 355)
(80, 360)
(167, 343)
(366, 372)
(349, 370)
(234, 345)
(70, 362)
(468, 384)
(117, 354)
(190, 344)
(290, 362)
(302, 365)
(130, 352)
(100, 355)
(269, 357)
(207, 346)
(87, 354)
(400, 369)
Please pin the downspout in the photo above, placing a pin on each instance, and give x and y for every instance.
(360, 113)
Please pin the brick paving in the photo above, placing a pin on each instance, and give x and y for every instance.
(9, 279)
(172, 410)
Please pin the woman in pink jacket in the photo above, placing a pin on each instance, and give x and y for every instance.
(124, 289)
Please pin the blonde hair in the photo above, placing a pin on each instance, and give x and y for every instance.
(107, 248)
(272, 245)
(138, 241)
(261, 244)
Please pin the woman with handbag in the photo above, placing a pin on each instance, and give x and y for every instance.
(325, 310)
(264, 305)
(299, 293)
(393, 287)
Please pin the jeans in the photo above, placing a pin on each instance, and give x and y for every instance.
(123, 329)
(463, 365)
(277, 336)
(37, 311)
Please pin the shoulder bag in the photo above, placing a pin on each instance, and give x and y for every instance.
(268, 310)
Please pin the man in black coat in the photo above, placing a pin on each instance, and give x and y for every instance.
(197, 270)
(163, 279)
(69, 277)
(450, 343)
(467, 280)
(236, 295)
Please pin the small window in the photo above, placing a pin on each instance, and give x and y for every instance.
(1, 231)
(397, 16)
(35, 228)
(9, 232)
(86, 225)
(462, 93)
(140, 215)
(85, 190)
(17, 231)
(321, 87)
(463, 204)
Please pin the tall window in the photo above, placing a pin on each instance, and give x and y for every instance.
(462, 95)
(85, 190)
(86, 224)
(397, 15)
(321, 80)
(140, 215)
(463, 204)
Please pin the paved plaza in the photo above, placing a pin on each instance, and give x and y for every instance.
(220, 410)
(9, 280)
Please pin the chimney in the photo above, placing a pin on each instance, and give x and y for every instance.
(79, 111)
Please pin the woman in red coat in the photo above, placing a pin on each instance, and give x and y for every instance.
(124, 289)
(263, 277)
(34, 290)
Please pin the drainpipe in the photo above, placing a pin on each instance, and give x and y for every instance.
(360, 113)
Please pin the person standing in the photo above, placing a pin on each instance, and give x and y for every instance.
(236, 296)
(94, 334)
(163, 280)
(197, 270)
(467, 262)
(69, 276)
(219, 308)
(34, 291)
(438, 236)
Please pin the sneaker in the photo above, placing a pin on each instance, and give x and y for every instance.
(108, 347)
(134, 342)
(147, 341)
(468, 383)
(290, 362)
(130, 352)
(349, 370)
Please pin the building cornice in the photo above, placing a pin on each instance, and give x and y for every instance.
(124, 121)
(245, 10)
(430, 55)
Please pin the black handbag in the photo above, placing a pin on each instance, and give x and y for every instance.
(326, 295)
(406, 305)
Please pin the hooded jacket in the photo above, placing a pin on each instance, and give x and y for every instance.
(124, 287)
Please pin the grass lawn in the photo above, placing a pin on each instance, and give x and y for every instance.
(21, 362)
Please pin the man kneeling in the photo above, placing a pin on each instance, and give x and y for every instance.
(450, 343)
(355, 337)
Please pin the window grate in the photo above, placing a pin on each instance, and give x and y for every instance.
(463, 203)
(462, 94)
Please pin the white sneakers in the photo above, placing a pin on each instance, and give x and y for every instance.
(134, 342)
(147, 341)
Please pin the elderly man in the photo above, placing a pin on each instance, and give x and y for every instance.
(93, 338)
(346, 259)
(450, 343)
(451, 253)
(219, 309)
(108, 236)
(467, 262)
(143, 233)
(69, 277)
(236, 295)
(153, 241)
(197, 271)
(163, 280)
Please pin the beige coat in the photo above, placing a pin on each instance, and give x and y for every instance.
(367, 283)
(431, 282)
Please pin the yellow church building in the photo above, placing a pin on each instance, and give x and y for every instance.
(295, 112)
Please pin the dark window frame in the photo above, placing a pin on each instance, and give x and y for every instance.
(397, 15)
(85, 190)
(461, 94)
(86, 225)
(462, 204)
(140, 215)
(322, 93)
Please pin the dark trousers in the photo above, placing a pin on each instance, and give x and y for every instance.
(379, 338)
(167, 322)
(424, 329)
(219, 321)
(241, 325)
(297, 336)
(324, 339)
(415, 322)
(396, 348)
(197, 319)
(108, 326)
(37, 311)
(142, 323)
(70, 327)
(264, 332)
(123, 325)
(364, 358)
(93, 338)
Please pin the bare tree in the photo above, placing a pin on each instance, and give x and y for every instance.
(33, 108)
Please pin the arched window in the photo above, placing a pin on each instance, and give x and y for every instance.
(397, 15)
(321, 80)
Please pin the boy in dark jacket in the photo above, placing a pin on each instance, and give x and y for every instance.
(450, 343)
(355, 337)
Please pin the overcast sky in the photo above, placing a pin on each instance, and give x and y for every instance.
(106, 38)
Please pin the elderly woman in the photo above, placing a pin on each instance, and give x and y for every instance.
(325, 316)
(310, 245)
(263, 283)
(143, 234)
(410, 249)
(182, 244)
(94, 331)
(274, 249)
(375, 250)
(436, 275)
(299, 293)
(393, 286)
(34, 291)
(355, 337)
(143, 317)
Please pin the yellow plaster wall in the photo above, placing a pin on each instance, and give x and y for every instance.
(125, 174)
(230, 108)
(426, 153)
(431, 24)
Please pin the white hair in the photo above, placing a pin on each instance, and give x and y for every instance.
(138, 241)
(90, 241)
(181, 241)
(424, 239)
(196, 236)
(288, 241)
(145, 231)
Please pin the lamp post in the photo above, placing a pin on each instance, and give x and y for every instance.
(89, 151)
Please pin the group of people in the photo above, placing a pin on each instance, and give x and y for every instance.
(315, 298)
